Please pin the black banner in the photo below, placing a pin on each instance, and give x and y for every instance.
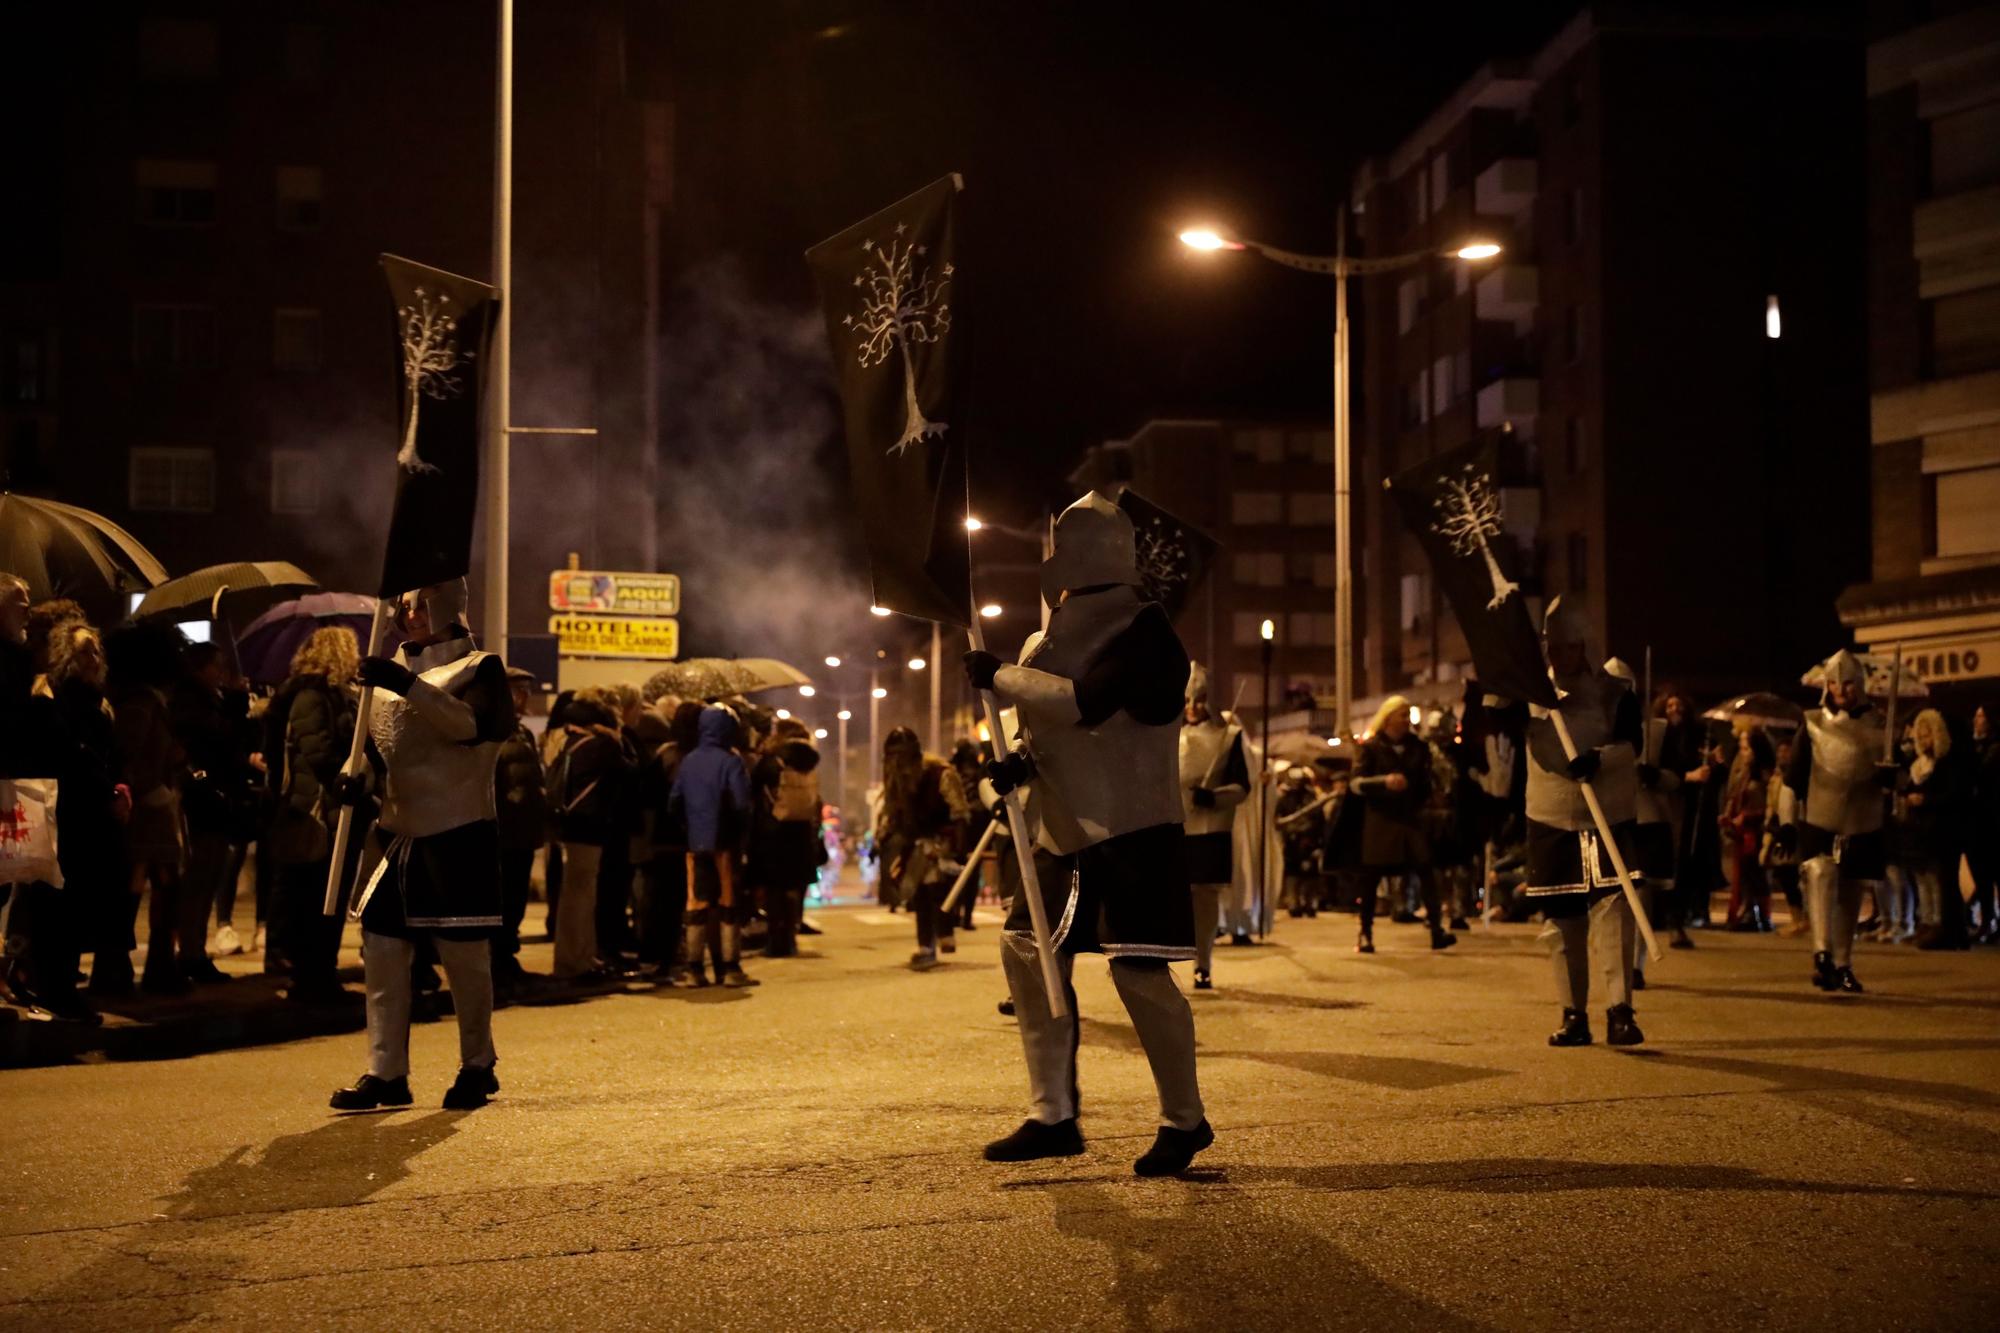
(1174, 555)
(1452, 505)
(443, 323)
(888, 285)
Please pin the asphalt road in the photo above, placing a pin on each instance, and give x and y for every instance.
(1397, 1147)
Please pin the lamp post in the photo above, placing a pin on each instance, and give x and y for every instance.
(1340, 266)
(1268, 647)
(841, 767)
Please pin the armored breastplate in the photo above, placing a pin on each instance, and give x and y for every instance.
(1204, 753)
(435, 784)
(1590, 708)
(1842, 796)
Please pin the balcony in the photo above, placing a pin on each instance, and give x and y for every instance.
(1513, 401)
(1508, 295)
(1506, 189)
(1957, 242)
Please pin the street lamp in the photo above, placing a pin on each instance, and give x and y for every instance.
(807, 691)
(879, 611)
(1268, 634)
(918, 664)
(972, 524)
(1340, 266)
(833, 661)
(991, 610)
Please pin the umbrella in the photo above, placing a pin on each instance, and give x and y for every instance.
(266, 645)
(1881, 669)
(1761, 707)
(720, 677)
(222, 590)
(63, 551)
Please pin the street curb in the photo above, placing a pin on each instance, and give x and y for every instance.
(29, 1043)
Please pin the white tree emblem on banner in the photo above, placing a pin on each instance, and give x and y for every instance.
(431, 361)
(1163, 559)
(901, 305)
(1468, 515)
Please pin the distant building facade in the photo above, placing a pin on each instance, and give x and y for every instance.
(1934, 363)
(197, 335)
(1669, 349)
(1264, 490)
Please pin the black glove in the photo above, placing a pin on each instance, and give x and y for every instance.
(1786, 840)
(385, 674)
(1887, 775)
(980, 667)
(1649, 776)
(1584, 767)
(350, 788)
(1010, 772)
(1204, 798)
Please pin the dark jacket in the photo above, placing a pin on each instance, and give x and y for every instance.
(586, 788)
(520, 792)
(213, 730)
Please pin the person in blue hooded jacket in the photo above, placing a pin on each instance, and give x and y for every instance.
(711, 799)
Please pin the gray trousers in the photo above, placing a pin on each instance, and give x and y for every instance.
(1833, 901)
(1207, 916)
(1159, 1013)
(468, 966)
(1603, 936)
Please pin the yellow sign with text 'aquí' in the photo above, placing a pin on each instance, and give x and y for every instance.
(656, 640)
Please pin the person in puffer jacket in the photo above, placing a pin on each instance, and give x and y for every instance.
(711, 799)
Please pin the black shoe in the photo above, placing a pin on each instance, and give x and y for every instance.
(1638, 978)
(1173, 1150)
(1844, 980)
(1403, 917)
(1575, 1030)
(1203, 981)
(1366, 943)
(1007, 1008)
(162, 983)
(469, 1091)
(1442, 939)
(1825, 975)
(114, 988)
(737, 979)
(70, 1007)
(808, 928)
(1240, 937)
(1035, 1140)
(205, 973)
(1619, 1027)
(370, 1092)
(1681, 941)
(1458, 923)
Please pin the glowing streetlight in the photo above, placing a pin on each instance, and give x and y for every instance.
(1333, 741)
(1416, 714)
(1268, 630)
(972, 524)
(819, 733)
(784, 714)
(832, 661)
(844, 715)
(878, 610)
(1773, 325)
(807, 691)
(1207, 238)
(1477, 250)
(991, 610)
(918, 664)
(878, 693)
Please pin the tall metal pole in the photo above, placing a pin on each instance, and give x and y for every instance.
(1263, 808)
(937, 689)
(841, 767)
(1343, 545)
(498, 487)
(874, 719)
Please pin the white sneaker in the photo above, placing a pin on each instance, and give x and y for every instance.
(227, 941)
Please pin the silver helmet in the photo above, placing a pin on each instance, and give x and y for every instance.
(1843, 668)
(1197, 683)
(1094, 546)
(443, 603)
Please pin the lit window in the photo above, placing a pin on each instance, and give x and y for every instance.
(180, 481)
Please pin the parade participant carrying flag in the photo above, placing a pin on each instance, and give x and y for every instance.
(1098, 693)
(432, 715)
(1453, 505)
(1830, 812)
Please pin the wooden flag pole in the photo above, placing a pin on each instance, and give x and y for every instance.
(1653, 950)
(356, 755)
(971, 867)
(1889, 738)
(1024, 848)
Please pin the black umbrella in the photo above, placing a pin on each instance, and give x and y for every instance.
(224, 591)
(1765, 709)
(63, 551)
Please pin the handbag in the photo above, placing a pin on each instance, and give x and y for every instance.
(28, 832)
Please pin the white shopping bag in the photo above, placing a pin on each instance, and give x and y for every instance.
(28, 832)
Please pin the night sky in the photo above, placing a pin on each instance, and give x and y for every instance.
(1088, 134)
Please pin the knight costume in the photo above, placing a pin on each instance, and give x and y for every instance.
(1830, 810)
(1653, 809)
(1098, 693)
(1215, 779)
(1571, 877)
(441, 711)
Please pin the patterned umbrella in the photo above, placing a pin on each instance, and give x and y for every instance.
(223, 590)
(1881, 669)
(63, 551)
(1765, 709)
(720, 677)
(266, 645)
